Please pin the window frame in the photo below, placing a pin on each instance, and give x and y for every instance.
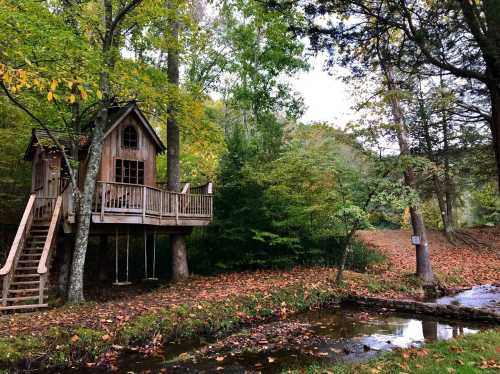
(130, 171)
(125, 138)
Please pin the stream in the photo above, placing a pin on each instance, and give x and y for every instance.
(346, 334)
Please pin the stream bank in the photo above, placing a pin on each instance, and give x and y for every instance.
(211, 319)
(347, 334)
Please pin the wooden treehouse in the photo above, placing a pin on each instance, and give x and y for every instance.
(127, 198)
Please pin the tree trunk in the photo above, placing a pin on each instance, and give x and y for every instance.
(341, 267)
(177, 241)
(179, 257)
(448, 182)
(495, 125)
(75, 293)
(424, 268)
(440, 194)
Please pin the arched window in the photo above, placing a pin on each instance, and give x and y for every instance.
(130, 138)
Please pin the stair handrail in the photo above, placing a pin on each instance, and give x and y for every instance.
(49, 241)
(20, 237)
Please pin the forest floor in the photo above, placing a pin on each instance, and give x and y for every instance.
(458, 267)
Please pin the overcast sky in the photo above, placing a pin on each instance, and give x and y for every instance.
(327, 98)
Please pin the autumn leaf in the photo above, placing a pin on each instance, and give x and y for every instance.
(53, 84)
(75, 338)
(50, 96)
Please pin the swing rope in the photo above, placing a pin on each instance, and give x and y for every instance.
(128, 245)
(116, 254)
(154, 254)
(145, 255)
(117, 280)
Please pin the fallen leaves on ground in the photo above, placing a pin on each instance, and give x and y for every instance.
(112, 309)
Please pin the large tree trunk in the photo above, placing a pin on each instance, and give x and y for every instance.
(424, 268)
(495, 124)
(438, 190)
(75, 293)
(177, 241)
(448, 182)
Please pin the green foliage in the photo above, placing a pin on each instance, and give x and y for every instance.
(488, 200)
(432, 215)
(297, 208)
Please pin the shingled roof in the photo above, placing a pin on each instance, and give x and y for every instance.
(40, 138)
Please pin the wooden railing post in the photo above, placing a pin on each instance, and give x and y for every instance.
(161, 205)
(176, 207)
(5, 290)
(41, 290)
(103, 197)
(144, 196)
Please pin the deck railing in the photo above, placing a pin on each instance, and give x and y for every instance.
(132, 199)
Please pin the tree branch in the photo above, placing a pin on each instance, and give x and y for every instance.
(47, 130)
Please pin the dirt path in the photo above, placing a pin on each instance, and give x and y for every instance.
(459, 266)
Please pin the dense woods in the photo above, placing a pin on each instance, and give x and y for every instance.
(215, 81)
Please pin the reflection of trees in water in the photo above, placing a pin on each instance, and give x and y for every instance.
(430, 330)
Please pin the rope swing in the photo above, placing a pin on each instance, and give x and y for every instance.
(117, 281)
(146, 257)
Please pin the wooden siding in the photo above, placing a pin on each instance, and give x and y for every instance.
(112, 150)
(47, 166)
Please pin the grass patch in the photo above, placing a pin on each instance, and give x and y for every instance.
(468, 354)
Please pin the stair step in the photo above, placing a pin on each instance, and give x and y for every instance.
(24, 298)
(27, 268)
(26, 275)
(30, 255)
(23, 306)
(25, 290)
(25, 282)
(28, 261)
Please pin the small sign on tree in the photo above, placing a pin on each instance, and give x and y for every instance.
(415, 240)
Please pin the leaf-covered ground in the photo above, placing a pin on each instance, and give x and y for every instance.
(456, 266)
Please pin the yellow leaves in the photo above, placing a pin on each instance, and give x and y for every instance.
(99, 94)
(71, 99)
(50, 96)
(83, 93)
(6, 77)
(53, 84)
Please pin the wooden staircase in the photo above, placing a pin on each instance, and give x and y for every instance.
(25, 273)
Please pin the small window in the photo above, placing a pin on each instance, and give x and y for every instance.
(130, 138)
(129, 171)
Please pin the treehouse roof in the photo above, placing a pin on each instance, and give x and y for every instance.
(116, 114)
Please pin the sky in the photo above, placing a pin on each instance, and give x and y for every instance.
(327, 97)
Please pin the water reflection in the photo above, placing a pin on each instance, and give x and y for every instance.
(486, 296)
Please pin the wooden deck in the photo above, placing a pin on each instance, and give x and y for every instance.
(121, 203)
